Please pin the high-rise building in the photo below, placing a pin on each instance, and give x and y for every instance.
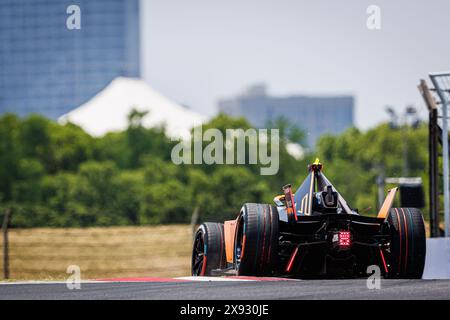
(316, 115)
(48, 68)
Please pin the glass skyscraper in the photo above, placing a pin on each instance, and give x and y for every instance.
(316, 115)
(48, 69)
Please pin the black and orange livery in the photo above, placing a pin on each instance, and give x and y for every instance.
(312, 233)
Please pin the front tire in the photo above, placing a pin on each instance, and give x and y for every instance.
(256, 242)
(408, 243)
(208, 251)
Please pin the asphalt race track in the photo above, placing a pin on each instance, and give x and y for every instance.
(223, 290)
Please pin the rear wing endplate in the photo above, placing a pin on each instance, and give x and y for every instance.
(387, 204)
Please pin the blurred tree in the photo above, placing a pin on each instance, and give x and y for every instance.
(353, 159)
(35, 140)
(129, 186)
(9, 154)
(98, 177)
(113, 147)
(136, 137)
(289, 132)
(220, 195)
(28, 185)
(58, 175)
(166, 202)
(70, 146)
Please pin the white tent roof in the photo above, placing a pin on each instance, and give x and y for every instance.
(109, 109)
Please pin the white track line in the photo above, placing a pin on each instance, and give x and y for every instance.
(187, 278)
(213, 279)
(45, 282)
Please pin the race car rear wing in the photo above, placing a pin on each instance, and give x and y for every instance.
(315, 181)
(387, 204)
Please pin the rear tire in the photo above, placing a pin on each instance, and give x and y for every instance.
(208, 251)
(256, 242)
(408, 243)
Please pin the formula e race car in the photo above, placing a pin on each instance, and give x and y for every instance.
(313, 233)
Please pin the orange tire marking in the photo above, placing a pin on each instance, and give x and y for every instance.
(243, 247)
(203, 266)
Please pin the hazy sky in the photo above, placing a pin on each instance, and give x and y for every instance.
(197, 51)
